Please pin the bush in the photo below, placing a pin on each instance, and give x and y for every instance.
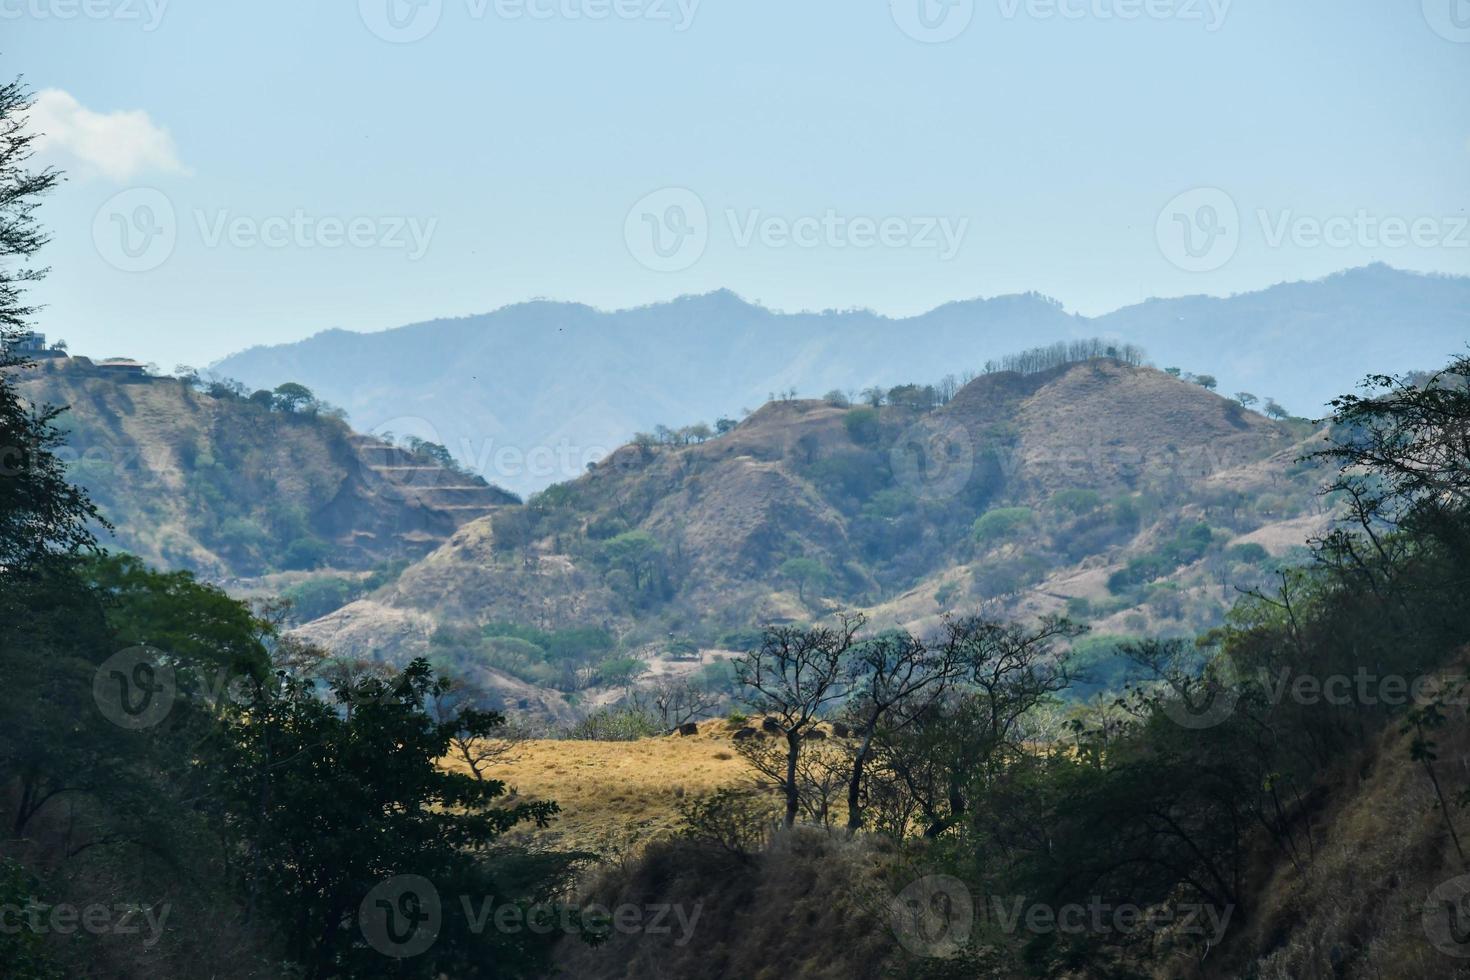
(305, 553)
(736, 821)
(862, 426)
(1249, 553)
(1076, 502)
(998, 525)
(616, 724)
(316, 597)
(746, 639)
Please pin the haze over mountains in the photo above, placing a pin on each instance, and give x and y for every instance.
(529, 394)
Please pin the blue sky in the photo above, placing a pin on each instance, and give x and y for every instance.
(254, 173)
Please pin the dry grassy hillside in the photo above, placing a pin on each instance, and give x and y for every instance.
(1024, 494)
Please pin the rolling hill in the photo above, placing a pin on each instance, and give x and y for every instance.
(1112, 492)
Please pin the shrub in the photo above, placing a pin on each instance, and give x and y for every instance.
(736, 821)
(305, 553)
(862, 426)
(998, 525)
(1249, 553)
(1076, 502)
(617, 724)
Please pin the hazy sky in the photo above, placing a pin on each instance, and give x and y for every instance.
(253, 173)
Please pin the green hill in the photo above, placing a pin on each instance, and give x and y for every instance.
(203, 478)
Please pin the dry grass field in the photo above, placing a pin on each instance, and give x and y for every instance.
(617, 796)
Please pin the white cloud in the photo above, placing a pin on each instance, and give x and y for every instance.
(117, 145)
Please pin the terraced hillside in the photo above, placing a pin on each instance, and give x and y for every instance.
(234, 487)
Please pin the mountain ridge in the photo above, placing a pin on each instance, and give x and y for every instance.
(499, 386)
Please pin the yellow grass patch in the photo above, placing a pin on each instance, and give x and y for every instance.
(616, 796)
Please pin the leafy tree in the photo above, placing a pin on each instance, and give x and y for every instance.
(293, 397)
(805, 573)
(634, 552)
(42, 516)
(1274, 410)
(319, 846)
(1206, 381)
(1245, 399)
(725, 425)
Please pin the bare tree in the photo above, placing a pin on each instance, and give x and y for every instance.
(674, 701)
(897, 676)
(484, 738)
(930, 764)
(821, 773)
(791, 677)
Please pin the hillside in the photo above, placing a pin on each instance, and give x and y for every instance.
(1117, 494)
(233, 487)
(529, 394)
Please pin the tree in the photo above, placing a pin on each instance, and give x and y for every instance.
(21, 190)
(675, 701)
(1274, 410)
(805, 573)
(933, 762)
(1246, 399)
(1206, 381)
(331, 805)
(635, 553)
(293, 397)
(1404, 449)
(479, 738)
(1173, 372)
(896, 678)
(792, 676)
(725, 425)
(42, 516)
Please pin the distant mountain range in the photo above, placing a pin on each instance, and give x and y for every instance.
(528, 394)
